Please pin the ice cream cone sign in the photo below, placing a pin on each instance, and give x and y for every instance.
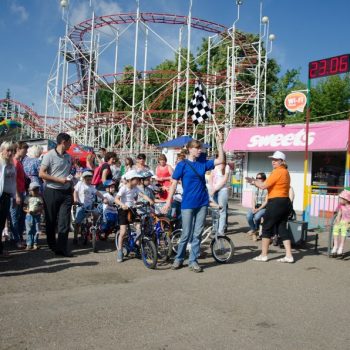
(295, 102)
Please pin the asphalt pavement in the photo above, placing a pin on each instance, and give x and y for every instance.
(91, 302)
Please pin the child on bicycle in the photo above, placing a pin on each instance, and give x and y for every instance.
(110, 211)
(341, 224)
(33, 206)
(84, 196)
(126, 198)
(145, 185)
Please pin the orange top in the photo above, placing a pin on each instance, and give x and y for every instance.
(278, 183)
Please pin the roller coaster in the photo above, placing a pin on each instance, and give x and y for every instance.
(155, 109)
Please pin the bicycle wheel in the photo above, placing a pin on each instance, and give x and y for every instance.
(222, 249)
(206, 234)
(93, 232)
(125, 245)
(175, 239)
(149, 253)
(163, 240)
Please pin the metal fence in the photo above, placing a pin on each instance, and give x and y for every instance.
(322, 203)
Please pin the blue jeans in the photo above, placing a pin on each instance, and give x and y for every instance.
(254, 219)
(192, 227)
(32, 223)
(221, 198)
(17, 219)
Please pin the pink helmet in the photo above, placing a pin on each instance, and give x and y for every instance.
(345, 195)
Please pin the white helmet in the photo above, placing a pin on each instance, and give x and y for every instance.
(132, 174)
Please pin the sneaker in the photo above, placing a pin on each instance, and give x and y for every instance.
(120, 256)
(261, 258)
(36, 247)
(29, 247)
(19, 245)
(250, 232)
(286, 259)
(195, 267)
(176, 265)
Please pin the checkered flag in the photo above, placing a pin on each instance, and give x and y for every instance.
(199, 107)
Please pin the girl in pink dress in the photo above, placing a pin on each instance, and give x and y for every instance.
(341, 224)
(163, 176)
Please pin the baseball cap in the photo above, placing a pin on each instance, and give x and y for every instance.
(278, 155)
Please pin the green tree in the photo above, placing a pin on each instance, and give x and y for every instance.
(277, 92)
(331, 95)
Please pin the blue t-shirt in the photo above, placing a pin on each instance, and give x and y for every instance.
(194, 194)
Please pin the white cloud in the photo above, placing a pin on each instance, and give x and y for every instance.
(104, 7)
(19, 11)
(79, 13)
(82, 10)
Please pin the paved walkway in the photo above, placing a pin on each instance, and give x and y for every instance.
(90, 302)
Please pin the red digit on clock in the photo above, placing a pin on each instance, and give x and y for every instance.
(344, 64)
(323, 66)
(334, 66)
(313, 69)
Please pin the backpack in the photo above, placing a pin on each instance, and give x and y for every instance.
(97, 177)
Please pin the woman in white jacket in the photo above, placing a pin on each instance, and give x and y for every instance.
(7, 185)
(218, 190)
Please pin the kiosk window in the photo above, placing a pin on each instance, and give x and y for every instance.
(328, 168)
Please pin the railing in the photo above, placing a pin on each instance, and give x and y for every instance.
(321, 204)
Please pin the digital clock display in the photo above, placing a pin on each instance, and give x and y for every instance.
(329, 66)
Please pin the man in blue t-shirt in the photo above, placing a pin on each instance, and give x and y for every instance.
(195, 200)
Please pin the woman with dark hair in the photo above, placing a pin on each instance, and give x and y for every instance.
(106, 171)
(259, 202)
(278, 207)
(195, 200)
(140, 165)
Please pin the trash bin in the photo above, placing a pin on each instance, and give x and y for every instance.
(297, 231)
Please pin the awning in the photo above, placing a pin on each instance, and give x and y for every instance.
(327, 136)
(179, 142)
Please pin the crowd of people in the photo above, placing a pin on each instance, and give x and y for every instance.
(34, 185)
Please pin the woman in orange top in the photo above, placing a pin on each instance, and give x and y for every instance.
(163, 175)
(278, 207)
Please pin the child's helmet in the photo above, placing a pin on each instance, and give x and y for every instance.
(146, 174)
(108, 183)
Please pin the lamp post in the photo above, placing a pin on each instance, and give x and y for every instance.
(272, 38)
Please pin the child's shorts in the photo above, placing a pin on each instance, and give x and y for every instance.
(126, 217)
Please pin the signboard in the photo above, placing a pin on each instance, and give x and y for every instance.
(295, 102)
(329, 66)
(326, 136)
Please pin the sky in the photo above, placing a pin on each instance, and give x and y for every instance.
(305, 30)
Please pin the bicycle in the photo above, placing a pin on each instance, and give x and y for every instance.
(162, 229)
(139, 241)
(222, 247)
(91, 227)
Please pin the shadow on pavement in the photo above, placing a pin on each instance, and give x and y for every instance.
(43, 260)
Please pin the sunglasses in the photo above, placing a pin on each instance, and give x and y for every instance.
(259, 178)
